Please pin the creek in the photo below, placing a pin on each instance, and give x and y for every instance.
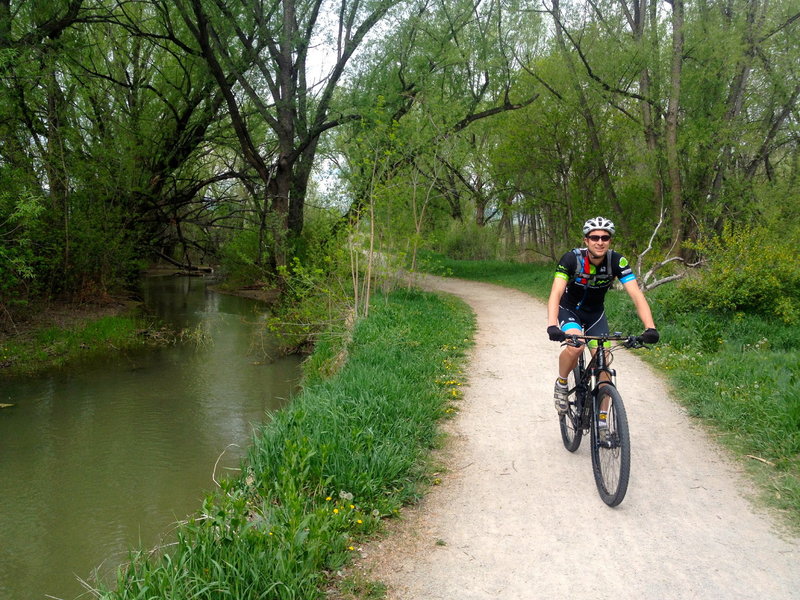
(107, 455)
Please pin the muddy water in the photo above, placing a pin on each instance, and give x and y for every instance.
(108, 455)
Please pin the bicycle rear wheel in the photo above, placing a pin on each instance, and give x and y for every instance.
(611, 459)
(570, 423)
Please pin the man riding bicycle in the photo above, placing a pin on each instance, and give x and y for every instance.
(576, 303)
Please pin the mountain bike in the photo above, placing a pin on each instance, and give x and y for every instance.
(592, 386)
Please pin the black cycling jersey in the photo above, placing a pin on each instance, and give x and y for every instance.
(587, 284)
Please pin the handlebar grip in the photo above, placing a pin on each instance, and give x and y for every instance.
(635, 341)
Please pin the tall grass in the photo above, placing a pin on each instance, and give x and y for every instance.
(322, 473)
(738, 372)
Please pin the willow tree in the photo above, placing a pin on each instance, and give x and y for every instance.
(697, 97)
(34, 150)
(260, 55)
(104, 117)
(441, 78)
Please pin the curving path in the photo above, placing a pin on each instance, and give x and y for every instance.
(518, 517)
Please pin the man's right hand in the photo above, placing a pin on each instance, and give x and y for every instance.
(556, 334)
(650, 336)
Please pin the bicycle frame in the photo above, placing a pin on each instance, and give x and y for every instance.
(610, 444)
(590, 380)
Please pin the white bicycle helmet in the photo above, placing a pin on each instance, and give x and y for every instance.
(598, 223)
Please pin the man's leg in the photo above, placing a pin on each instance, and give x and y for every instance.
(567, 361)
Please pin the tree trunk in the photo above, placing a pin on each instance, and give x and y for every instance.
(649, 116)
(55, 165)
(735, 100)
(591, 126)
(673, 165)
(302, 175)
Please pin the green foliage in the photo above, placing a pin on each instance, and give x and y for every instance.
(102, 249)
(315, 302)
(746, 272)
(532, 278)
(324, 472)
(239, 258)
(312, 304)
(19, 214)
(467, 241)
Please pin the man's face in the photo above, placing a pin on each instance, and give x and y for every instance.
(598, 241)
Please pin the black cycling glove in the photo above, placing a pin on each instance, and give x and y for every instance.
(556, 334)
(650, 336)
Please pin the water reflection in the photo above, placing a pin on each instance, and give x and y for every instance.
(107, 456)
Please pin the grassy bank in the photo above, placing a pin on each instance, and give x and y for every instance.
(55, 345)
(320, 476)
(737, 372)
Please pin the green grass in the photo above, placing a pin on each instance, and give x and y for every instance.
(351, 449)
(57, 346)
(739, 373)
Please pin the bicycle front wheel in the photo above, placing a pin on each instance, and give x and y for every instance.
(611, 454)
(570, 423)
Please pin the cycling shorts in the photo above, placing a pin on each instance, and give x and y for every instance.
(573, 320)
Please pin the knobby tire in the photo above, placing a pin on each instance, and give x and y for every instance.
(571, 431)
(611, 462)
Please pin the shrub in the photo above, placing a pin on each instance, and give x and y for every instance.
(467, 241)
(746, 272)
(313, 303)
(239, 258)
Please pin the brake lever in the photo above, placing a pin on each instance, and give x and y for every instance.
(634, 342)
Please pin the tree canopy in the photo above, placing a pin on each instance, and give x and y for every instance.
(200, 130)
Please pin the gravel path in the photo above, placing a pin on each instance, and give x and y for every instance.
(518, 517)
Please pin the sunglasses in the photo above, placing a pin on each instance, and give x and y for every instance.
(598, 238)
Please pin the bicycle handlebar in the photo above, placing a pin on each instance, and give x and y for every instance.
(628, 341)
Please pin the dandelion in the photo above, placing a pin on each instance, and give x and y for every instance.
(328, 499)
(359, 521)
(350, 548)
(336, 511)
(352, 506)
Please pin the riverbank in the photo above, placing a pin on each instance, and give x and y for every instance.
(320, 477)
(63, 332)
(59, 332)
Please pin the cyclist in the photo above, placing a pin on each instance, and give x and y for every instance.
(576, 304)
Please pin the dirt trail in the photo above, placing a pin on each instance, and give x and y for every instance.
(517, 516)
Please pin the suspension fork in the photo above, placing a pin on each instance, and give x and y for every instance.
(600, 374)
